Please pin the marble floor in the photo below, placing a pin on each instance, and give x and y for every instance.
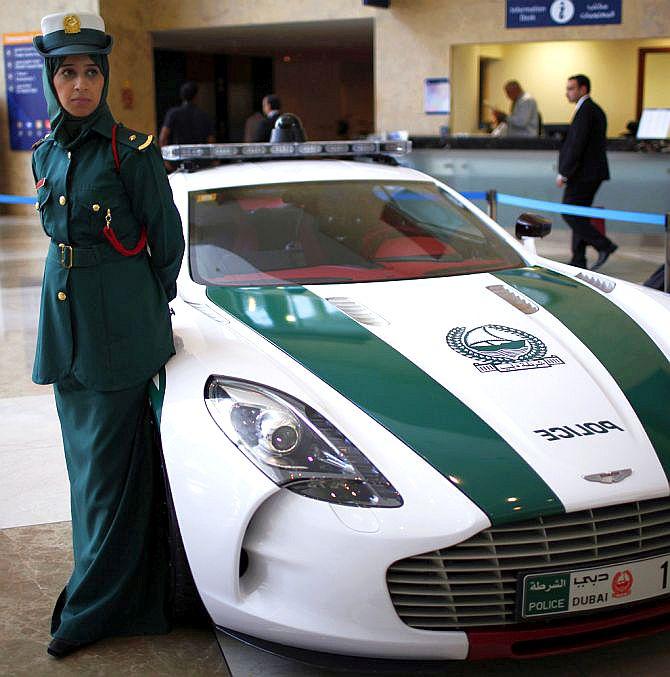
(34, 513)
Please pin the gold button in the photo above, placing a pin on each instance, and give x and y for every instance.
(132, 137)
(96, 207)
(62, 200)
(62, 296)
(37, 206)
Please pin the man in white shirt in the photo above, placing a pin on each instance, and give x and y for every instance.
(524, 118)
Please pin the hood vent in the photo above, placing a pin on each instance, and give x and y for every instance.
(357, 312)
(519, 301)
(596, 281)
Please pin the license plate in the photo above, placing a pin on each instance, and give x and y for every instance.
(566, 592)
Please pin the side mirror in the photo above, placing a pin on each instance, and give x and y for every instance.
(532, 225)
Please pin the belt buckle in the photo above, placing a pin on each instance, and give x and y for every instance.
(66, 260)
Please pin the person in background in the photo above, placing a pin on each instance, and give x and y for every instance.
(582, 167)
(251, 124)
(524, 119)
(104, 331)
(186, 123)
(260, 131)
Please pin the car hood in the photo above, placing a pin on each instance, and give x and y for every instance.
(530, 391)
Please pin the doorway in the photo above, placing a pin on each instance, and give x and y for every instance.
(321, 71)
(653, 78)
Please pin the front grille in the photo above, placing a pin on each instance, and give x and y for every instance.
(474, 584)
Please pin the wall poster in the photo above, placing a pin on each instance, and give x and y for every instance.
(26, 106)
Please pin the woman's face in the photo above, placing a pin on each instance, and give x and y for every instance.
(78, 84)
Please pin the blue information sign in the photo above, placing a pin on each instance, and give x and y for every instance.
(534, 13)
(28, 120)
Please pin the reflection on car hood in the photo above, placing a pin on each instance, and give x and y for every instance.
(515, 385)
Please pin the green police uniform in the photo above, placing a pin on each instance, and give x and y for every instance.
(105, 319)
(104, 331)
(120, 581)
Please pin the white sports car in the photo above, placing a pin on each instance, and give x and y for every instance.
(392, 431)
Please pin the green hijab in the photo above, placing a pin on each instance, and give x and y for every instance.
(67, 129)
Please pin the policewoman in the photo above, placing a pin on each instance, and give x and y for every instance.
(104, 331)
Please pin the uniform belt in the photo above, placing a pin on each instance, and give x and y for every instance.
(82, 257)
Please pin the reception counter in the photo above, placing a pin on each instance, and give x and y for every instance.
(528, 167)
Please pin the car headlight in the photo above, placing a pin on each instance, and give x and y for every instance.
(295, 446)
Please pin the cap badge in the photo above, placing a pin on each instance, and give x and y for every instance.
(71, 23)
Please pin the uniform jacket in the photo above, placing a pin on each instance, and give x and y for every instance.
(582, 156)
(107, 321)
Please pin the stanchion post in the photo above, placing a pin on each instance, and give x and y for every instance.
(666, 276)
(492, 199)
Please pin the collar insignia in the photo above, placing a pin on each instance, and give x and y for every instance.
(71, 23)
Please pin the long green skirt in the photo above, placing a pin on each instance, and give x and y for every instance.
(119, 585)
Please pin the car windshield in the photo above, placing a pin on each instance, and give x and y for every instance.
(337, 231)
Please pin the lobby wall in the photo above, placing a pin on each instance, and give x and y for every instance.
(412, 40)
(131, 63)
(427, 29)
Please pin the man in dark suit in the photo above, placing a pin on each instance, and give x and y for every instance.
(259, 128)
(582, 167)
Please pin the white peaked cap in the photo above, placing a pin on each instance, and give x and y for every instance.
(56, 22)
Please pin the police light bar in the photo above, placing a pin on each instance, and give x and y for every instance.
(269, 151)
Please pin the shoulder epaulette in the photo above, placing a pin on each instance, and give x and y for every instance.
(137, 140)
(39, 142)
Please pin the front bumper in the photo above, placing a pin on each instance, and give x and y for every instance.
(561, 638)
(488, 645)
(318, 583)
(319, 595)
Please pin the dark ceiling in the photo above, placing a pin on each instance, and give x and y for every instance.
(271, 39)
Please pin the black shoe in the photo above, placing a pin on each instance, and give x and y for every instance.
(603, 255)
(578, 263)
(59, 648)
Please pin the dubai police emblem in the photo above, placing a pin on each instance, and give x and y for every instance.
(622, 583)
(71, 23)
(499, 348)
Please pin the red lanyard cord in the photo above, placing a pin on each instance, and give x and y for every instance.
(107, 231)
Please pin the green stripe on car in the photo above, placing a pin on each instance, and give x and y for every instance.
(397, 394)
(635, 362)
